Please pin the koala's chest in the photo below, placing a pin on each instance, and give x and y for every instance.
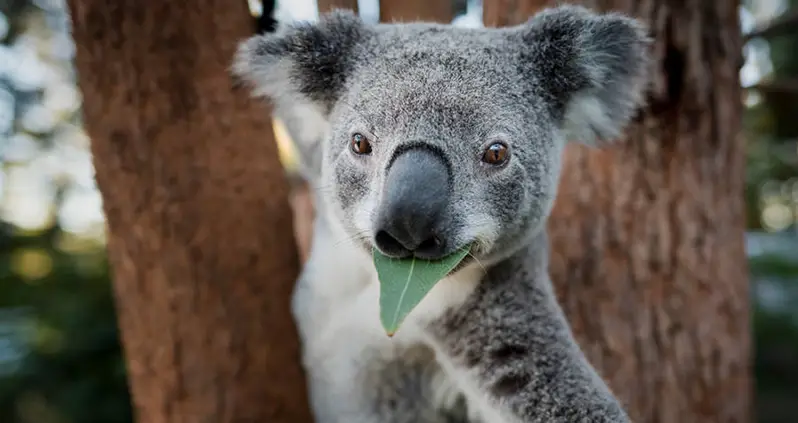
(347, 347)
(336, 306)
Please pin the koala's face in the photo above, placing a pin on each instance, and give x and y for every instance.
(432, 147)
(436, 138)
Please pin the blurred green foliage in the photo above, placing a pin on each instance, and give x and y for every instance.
(70, 368)
(771, 133)
(775, 337)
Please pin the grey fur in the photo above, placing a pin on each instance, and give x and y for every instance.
(489, 343)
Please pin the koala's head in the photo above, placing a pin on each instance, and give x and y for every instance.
(437, 137)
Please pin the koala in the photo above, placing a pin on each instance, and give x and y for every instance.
(418, 139)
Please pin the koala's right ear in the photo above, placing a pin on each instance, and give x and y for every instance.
(302, 61)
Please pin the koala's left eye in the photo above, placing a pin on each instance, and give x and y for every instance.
(496, 154)
(360, 145)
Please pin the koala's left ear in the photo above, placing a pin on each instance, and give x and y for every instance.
(591, 69)
(303, 61)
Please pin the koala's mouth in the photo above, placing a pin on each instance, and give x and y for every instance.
(426, 255)
(465, 262)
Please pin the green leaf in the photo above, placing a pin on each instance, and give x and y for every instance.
(405, 282)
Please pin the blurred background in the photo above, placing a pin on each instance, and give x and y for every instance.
(60, 359)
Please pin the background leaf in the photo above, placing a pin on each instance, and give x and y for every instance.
(405, 282)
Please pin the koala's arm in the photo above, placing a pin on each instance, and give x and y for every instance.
(512, 347)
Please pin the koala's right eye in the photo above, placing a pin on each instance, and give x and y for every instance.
(360, 145)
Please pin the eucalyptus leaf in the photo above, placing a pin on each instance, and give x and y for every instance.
(405, 282)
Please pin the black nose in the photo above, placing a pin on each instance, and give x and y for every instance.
(411, 214)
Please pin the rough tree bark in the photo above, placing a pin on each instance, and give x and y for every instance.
(647, 237)
(198, 218)
(327, 5)
(411, 10)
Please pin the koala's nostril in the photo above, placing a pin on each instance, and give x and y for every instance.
(390, 245)
(432, 248)
(429, 243)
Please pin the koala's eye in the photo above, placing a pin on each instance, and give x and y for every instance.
(495, 154)
(360, 145)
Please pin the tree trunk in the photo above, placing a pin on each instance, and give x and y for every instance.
(647, 237)
(200, 235)
(411, 10)
(328, 5)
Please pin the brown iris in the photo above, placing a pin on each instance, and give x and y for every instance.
(360, 145)
(495, 154)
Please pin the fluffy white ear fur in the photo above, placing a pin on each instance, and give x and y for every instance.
(269, 77)
(587, 122)
(301, 69)
(600, 62)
